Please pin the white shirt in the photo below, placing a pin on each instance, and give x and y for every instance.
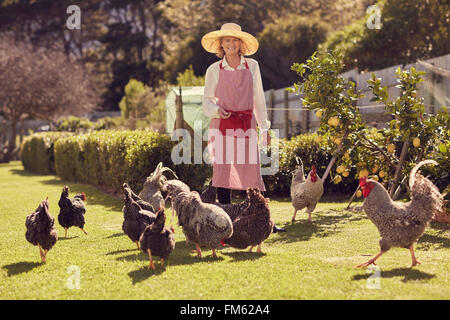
(210, 107)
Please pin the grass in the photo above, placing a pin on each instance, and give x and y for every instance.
(309, 261)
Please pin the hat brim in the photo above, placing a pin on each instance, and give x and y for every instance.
(211, 41)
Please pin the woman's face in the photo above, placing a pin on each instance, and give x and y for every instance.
(231, 45)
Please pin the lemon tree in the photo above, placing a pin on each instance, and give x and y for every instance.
(333, 99)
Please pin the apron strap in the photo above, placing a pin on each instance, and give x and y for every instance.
(245, 63)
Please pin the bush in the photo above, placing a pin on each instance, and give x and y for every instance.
(37, 153)
(311, 153)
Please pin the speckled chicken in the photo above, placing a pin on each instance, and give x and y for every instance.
(254, 224)
(153, 185)
(40, 229)
(401, 224)
(305, 193)
(209, 195)
(71, 211)
(205, 224)
(157, 240)
(136, 219)
(143, 204)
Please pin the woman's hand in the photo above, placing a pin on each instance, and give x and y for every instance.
(265, 137)
(224, 114)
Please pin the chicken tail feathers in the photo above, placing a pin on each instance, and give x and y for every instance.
(425, 194)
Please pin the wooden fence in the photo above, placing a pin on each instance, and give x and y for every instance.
(286, 113)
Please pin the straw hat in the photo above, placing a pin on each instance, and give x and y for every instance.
(210, 41)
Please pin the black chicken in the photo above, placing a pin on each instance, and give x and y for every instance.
(136, 219)
(253, 225)
(143, 204)
(40, 229)
(157, 240)
(71, 213)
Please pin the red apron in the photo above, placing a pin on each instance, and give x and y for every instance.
(235, 156)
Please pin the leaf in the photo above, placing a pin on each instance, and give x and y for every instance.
(442, 148)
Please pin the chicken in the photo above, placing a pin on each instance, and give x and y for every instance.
(71, 211)
(136, 219)
(209, 195)
(254, 225)
(401, 224)
(204, 224)
(305, 193)
(157, 240)
(153, 185)
(143, 204)
(40, 229)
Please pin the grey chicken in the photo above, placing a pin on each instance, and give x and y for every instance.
(153, 185)
(401, 224)
(136, 219)
(156, 240)
(71, 211)
(254, 224)
(41, 230)
(204, 224)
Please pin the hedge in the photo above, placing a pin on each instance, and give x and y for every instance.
(109, 158)
(37, 153)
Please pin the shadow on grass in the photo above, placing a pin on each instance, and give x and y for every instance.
(120, 251)
(20, 267)
(143, 273)
(322, 225)
(433, 242)
(238, 256)
(119, 234)
(67, 238)
(408, 274)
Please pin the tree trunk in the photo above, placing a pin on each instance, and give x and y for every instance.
(398, 170)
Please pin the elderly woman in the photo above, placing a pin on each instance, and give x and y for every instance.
(234, 100)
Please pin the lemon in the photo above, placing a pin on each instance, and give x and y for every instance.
(359, 193)
(375, 177)
(391, 148)
(345, 174)
(337, 179)
(347, 155)
(318, 139)
(416, 142)
(340, 169)
(363, 173)
(334, 121)
(319, 113)
(338, 141)
(382, 174)
(375, 169)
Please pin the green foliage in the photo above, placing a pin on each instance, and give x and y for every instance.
(189, 79)
(130, 101)
(410, 30)
(37, 153)
(289, 39)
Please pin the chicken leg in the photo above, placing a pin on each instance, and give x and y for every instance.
(199, 251)
(258, 250)
(413, 256)
(371, 261)
(137, 243)
(65, 232)
(214, 253)
(293, 217)
(162, 262)
(41, 253)
(151, 265)
(83, 230)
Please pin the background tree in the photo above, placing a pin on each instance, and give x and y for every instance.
(410, 30)
(40, 84)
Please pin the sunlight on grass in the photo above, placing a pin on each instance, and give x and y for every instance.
(310, 261)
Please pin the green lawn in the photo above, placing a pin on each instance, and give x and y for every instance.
(310, 261)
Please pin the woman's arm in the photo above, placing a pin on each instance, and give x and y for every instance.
(210, 108)
(260, 100)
